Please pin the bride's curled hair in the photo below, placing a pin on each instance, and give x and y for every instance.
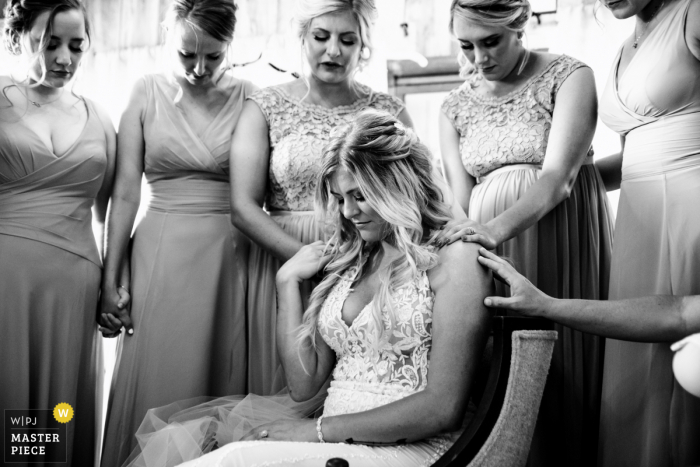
(394, 172)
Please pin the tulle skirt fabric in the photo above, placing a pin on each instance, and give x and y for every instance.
(187, 430)
(265, 376)
(50, 350)
(188, 281)
(566, 254)
(647, 419)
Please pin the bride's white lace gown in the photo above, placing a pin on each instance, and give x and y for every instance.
(371, 371)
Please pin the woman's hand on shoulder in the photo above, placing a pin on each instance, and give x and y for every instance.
(469, 231)
(305, 264)
(285, 430)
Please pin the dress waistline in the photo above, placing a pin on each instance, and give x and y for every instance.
(666, 145)
(291, 213)
(511, 167)
(181, 196)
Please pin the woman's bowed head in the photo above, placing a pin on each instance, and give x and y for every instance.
(376, 189)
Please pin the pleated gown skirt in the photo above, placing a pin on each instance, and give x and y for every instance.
(50, 350)
(188, 283)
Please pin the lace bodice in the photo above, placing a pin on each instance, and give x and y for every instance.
(298, 132)
(395, 364)
(512, 129)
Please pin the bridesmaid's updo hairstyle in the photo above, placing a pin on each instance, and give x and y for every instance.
(217, 18)
(364, 11)
(510, 14)
(21, 14)
(394, 172)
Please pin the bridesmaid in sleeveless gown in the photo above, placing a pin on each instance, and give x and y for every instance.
(510, 153)
(187, 262)
(647, 419)
(276, 156)
(56, 163)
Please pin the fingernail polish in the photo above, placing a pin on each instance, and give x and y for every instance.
(131, 331)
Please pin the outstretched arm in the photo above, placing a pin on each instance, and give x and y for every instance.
(657, 318)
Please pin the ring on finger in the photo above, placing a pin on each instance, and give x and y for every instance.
(264, 434)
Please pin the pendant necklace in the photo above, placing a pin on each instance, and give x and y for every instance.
(41, 104)
(653, 15)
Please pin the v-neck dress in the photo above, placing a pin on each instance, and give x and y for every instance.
(188, 272)
(567, 253)
(647, 419)
(50, 273)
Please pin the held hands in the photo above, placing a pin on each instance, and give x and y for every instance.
(308, 261)
(468, 230)
(524, 297)
(114, 312)
(285, 430)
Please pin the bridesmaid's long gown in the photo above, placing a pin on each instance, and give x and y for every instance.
(647, 419)
(50, 273)
(188, 272)
(503, 142)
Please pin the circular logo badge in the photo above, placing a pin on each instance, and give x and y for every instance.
(63, 413)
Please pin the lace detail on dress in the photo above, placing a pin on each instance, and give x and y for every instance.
(512, 129)
(298, 133)
(371, 371)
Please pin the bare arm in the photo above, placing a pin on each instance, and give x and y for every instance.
(460, 328)
(692, 29)
(610, 168)
(646, 319)
(250, 153)
(99, 208)
(457, 177)
(125, 203)
(306, 368)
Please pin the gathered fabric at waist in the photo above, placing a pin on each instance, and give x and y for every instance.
(512, 167)
(188, 196)
(668, 144)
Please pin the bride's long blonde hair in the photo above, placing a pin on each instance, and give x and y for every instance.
(394, 172)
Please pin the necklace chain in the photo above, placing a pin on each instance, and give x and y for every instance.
(41, 104)
(653, 15)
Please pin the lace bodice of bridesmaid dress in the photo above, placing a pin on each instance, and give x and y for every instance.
(298, 132)
(511, 129)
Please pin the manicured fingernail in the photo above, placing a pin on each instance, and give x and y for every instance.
(131, 331)
(487, 301)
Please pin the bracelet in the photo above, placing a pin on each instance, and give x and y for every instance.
(318, 429)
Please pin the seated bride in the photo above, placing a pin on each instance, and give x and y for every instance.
(399, 325)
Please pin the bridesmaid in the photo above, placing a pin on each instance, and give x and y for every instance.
(515, 141)
(186, 262)
(652, 99)
(276, 155)
(57, 154)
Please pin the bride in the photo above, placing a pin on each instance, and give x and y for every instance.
(398, 326)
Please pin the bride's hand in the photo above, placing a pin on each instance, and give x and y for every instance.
(308, 261)
(467, 230)
(285, 430)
